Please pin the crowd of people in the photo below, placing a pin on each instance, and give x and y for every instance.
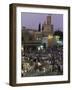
(48, 61)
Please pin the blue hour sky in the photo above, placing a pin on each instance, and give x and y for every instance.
(32, 20)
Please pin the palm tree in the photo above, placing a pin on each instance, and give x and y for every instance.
(59, 33)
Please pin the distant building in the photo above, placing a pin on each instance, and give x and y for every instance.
(43, 35)
(48, 31)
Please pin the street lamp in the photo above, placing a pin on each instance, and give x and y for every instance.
(40, 47)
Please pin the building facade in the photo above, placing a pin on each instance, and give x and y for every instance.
(44, 35)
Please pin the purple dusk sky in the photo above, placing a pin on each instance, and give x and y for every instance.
(32, 20)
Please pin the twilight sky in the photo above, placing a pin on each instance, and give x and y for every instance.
(32, 20)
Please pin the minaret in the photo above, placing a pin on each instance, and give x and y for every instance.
(49, 20)
(42, 27)
(39, 27)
